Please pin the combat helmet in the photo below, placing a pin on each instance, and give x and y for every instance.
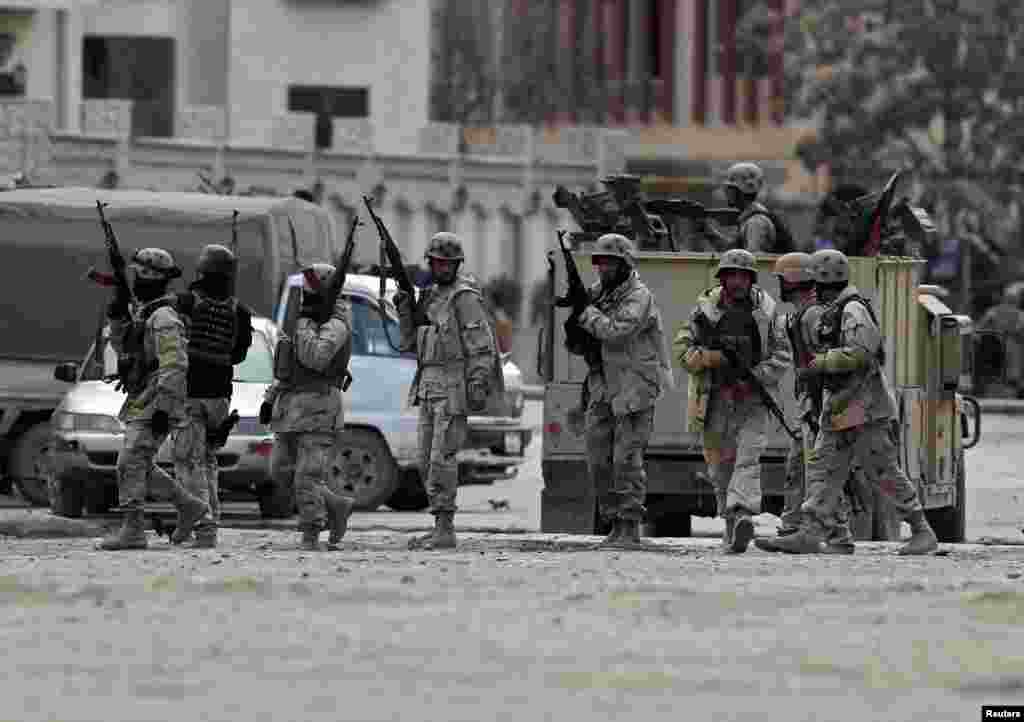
(831, 267)
(615, 245)
(215, 258)
(322, 272)
(737, 259)
(746, 177)
(795, 268)
(445, 246)
(154, 264)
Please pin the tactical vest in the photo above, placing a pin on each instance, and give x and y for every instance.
(736, 330)
(133, 369)
(831, 332)
(802, 355)
(440, 341)
(212, 327)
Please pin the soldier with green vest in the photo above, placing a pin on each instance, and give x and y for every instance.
(458, 372)
(855, 424)
(736, 318)
(623, 389)
(304, 409)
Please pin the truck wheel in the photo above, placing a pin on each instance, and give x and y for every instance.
(68, 499)
(411, 495)
(667, 516)
(30, 465)
(365, 470)
(950, 522)
(276, 502)
(100, 498)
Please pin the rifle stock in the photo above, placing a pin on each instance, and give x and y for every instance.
(764, 394)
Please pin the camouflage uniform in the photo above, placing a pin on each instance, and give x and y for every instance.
(623, 390)
(855, 424)
(756, 230)
(307, 415)
(1007, 319)
(152, 364)
(458, 371)
(723, 407)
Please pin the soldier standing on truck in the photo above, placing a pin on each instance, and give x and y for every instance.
(738, 319)
(795, 272)
(153, 367)
(458, 371)
(760, 230)
(634, 371)
(304, 409)
(857, 411)
(219, 335)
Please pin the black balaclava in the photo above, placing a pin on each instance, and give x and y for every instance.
(149, 289)
(218, 286)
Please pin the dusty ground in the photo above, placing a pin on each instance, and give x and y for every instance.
(517, 626)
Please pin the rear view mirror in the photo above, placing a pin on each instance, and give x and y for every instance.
(66, 372)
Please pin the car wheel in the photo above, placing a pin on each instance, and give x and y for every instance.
(67, 499)
(365, 470)
(276, 502)
(411, 495)
(31, 465)
(950, 522)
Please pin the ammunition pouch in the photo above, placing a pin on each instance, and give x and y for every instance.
(284, 360)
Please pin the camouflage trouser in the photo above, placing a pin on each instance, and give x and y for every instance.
(733, 443)
(615, 459)
(442, 436)
(195, 463)
(795, 490)
(304, 461)
(135, 462)
(870, 447)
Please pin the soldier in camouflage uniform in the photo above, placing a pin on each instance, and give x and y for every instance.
(622, 391)
(219, 335)
(795, 272)
(739, 317)
(857, 410)
(743, 184)
(305, 412)
(458, 371)
(152, 366)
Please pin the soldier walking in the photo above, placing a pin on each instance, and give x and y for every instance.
(795, 272)
(219, 335)
(304, 409)
(153, 367)
(458, 371)
(738, 319)
(857, 411)
(623, 389)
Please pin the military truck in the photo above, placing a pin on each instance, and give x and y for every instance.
(51, 237)
(926, 346)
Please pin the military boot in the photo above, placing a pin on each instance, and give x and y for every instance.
(206, 535)
(181, 533)
(339, 509)
(922, 538)
(809, 539)
(311, 537)
(443, 535)
(190, 510)
(742, 533)
(630, 536)
(615, 534)
(131, 535)
(730, 526)
(839, 541)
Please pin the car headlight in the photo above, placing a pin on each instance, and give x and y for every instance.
(95, 423)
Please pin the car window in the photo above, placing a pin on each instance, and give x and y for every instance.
(258, 366)
(370, 332)
(91, 370)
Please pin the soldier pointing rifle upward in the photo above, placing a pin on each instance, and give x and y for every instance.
(623, 384)
(457, 373)
(733, 334)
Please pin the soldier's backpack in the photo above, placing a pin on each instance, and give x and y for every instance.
(784, 241)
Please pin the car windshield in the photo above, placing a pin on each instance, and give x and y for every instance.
(258, 367)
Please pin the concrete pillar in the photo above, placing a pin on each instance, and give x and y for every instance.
(420, 230)
(567, 60)
(727, 40)
(667, 30)
(69, 70)
(614, 27)
(638, 71)
(491, 244)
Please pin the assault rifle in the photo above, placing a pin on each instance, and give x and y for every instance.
(234, 233)
(577, 297)
(117, 278)
(693, 210)
(331, 293)
(391, 253)
(764, 394)
(216, 438)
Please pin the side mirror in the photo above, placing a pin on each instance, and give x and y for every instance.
(66, 372)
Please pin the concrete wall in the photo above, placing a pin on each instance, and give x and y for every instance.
(381, 45)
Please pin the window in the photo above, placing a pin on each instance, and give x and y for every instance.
(258, 366)
(140, 69)
(370, 337)
(328, 103)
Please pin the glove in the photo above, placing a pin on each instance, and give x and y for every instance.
(266, 412)
(160, 423)
(477, 393)
(700, 359)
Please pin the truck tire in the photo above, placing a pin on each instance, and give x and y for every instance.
(276, 501)
(68, 499)
(366, 470)
(30, 467)
(410, 495)
(668, 516)
(100, 498)
(950, 522)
